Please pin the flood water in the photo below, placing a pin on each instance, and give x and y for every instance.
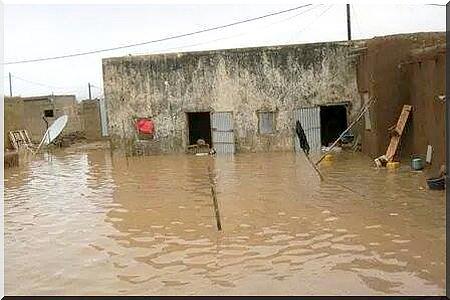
(86, 222)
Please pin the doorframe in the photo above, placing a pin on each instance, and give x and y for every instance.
(346, 104)
(186, 124)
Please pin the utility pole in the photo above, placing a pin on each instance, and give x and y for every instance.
(349, 26)
(10, 85)
(89, 87)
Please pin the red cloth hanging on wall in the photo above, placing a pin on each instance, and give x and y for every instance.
(145, 126)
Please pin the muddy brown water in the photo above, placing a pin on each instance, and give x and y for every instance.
(87, 222)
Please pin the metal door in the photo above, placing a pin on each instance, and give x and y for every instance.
(309, 117)
(222, 132)
(103, 117)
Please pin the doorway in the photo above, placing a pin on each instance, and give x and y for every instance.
(333, 121)
(199, 127)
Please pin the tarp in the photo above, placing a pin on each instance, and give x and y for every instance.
(145, 126)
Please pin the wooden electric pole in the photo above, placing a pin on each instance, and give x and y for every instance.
(10, 85)
(89, 87)
(349, 26)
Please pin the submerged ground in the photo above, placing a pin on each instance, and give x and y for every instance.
(89, 222)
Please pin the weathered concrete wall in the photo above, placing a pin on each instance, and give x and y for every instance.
(62, 105)
(240, 80)
(26, 113)
(13, 118)
(34, 110)
(90, 115)
(385, 73)
(68, 105)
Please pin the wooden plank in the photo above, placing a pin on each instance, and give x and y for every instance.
(13, 140)
(22, 136)
(397, 132)
(28, 138)
(19, 139)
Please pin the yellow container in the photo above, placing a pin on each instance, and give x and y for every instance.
(393, 165)
(328, 157)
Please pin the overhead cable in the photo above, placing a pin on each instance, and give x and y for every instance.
(157, 40)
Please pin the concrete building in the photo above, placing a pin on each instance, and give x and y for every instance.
(28, 112)
(237, 100)
(52, 107)
(249, 99)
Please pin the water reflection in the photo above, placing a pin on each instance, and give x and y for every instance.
(87, 222)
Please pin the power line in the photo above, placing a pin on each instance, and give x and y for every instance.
(157, 40)
(47, 87)
(237, 35)
(318, 17)
(37, 83)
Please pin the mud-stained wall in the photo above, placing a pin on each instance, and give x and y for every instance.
(393, 77)
(427, 83)
(90, 115)
(13, 118)
(60, 104)
(26, 113)
(243, 81)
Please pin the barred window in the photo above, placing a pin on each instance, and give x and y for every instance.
(266, 122)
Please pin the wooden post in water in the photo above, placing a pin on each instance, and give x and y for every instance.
(214, 198)
(314, 167)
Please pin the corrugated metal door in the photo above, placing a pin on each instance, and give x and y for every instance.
(222, 132)
(309, 117)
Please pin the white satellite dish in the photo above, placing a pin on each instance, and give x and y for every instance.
(53, 131)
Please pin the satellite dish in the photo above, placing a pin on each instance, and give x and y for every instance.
(54, 130)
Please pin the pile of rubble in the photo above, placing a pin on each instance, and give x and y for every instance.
(70, 138)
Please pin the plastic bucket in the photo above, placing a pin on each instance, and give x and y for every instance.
(393, 165)
(417, 163)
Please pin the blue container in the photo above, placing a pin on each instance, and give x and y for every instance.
(436, 183)
(417, 164)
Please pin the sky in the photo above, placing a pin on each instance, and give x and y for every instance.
(46, 30)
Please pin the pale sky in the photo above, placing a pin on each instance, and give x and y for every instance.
(35, 31)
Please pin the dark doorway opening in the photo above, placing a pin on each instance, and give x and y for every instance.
(199, 126)
(333, 121)
(48, 113)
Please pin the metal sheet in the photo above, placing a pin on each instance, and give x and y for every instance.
(309, 117)
(103, 117)
(222, 132)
